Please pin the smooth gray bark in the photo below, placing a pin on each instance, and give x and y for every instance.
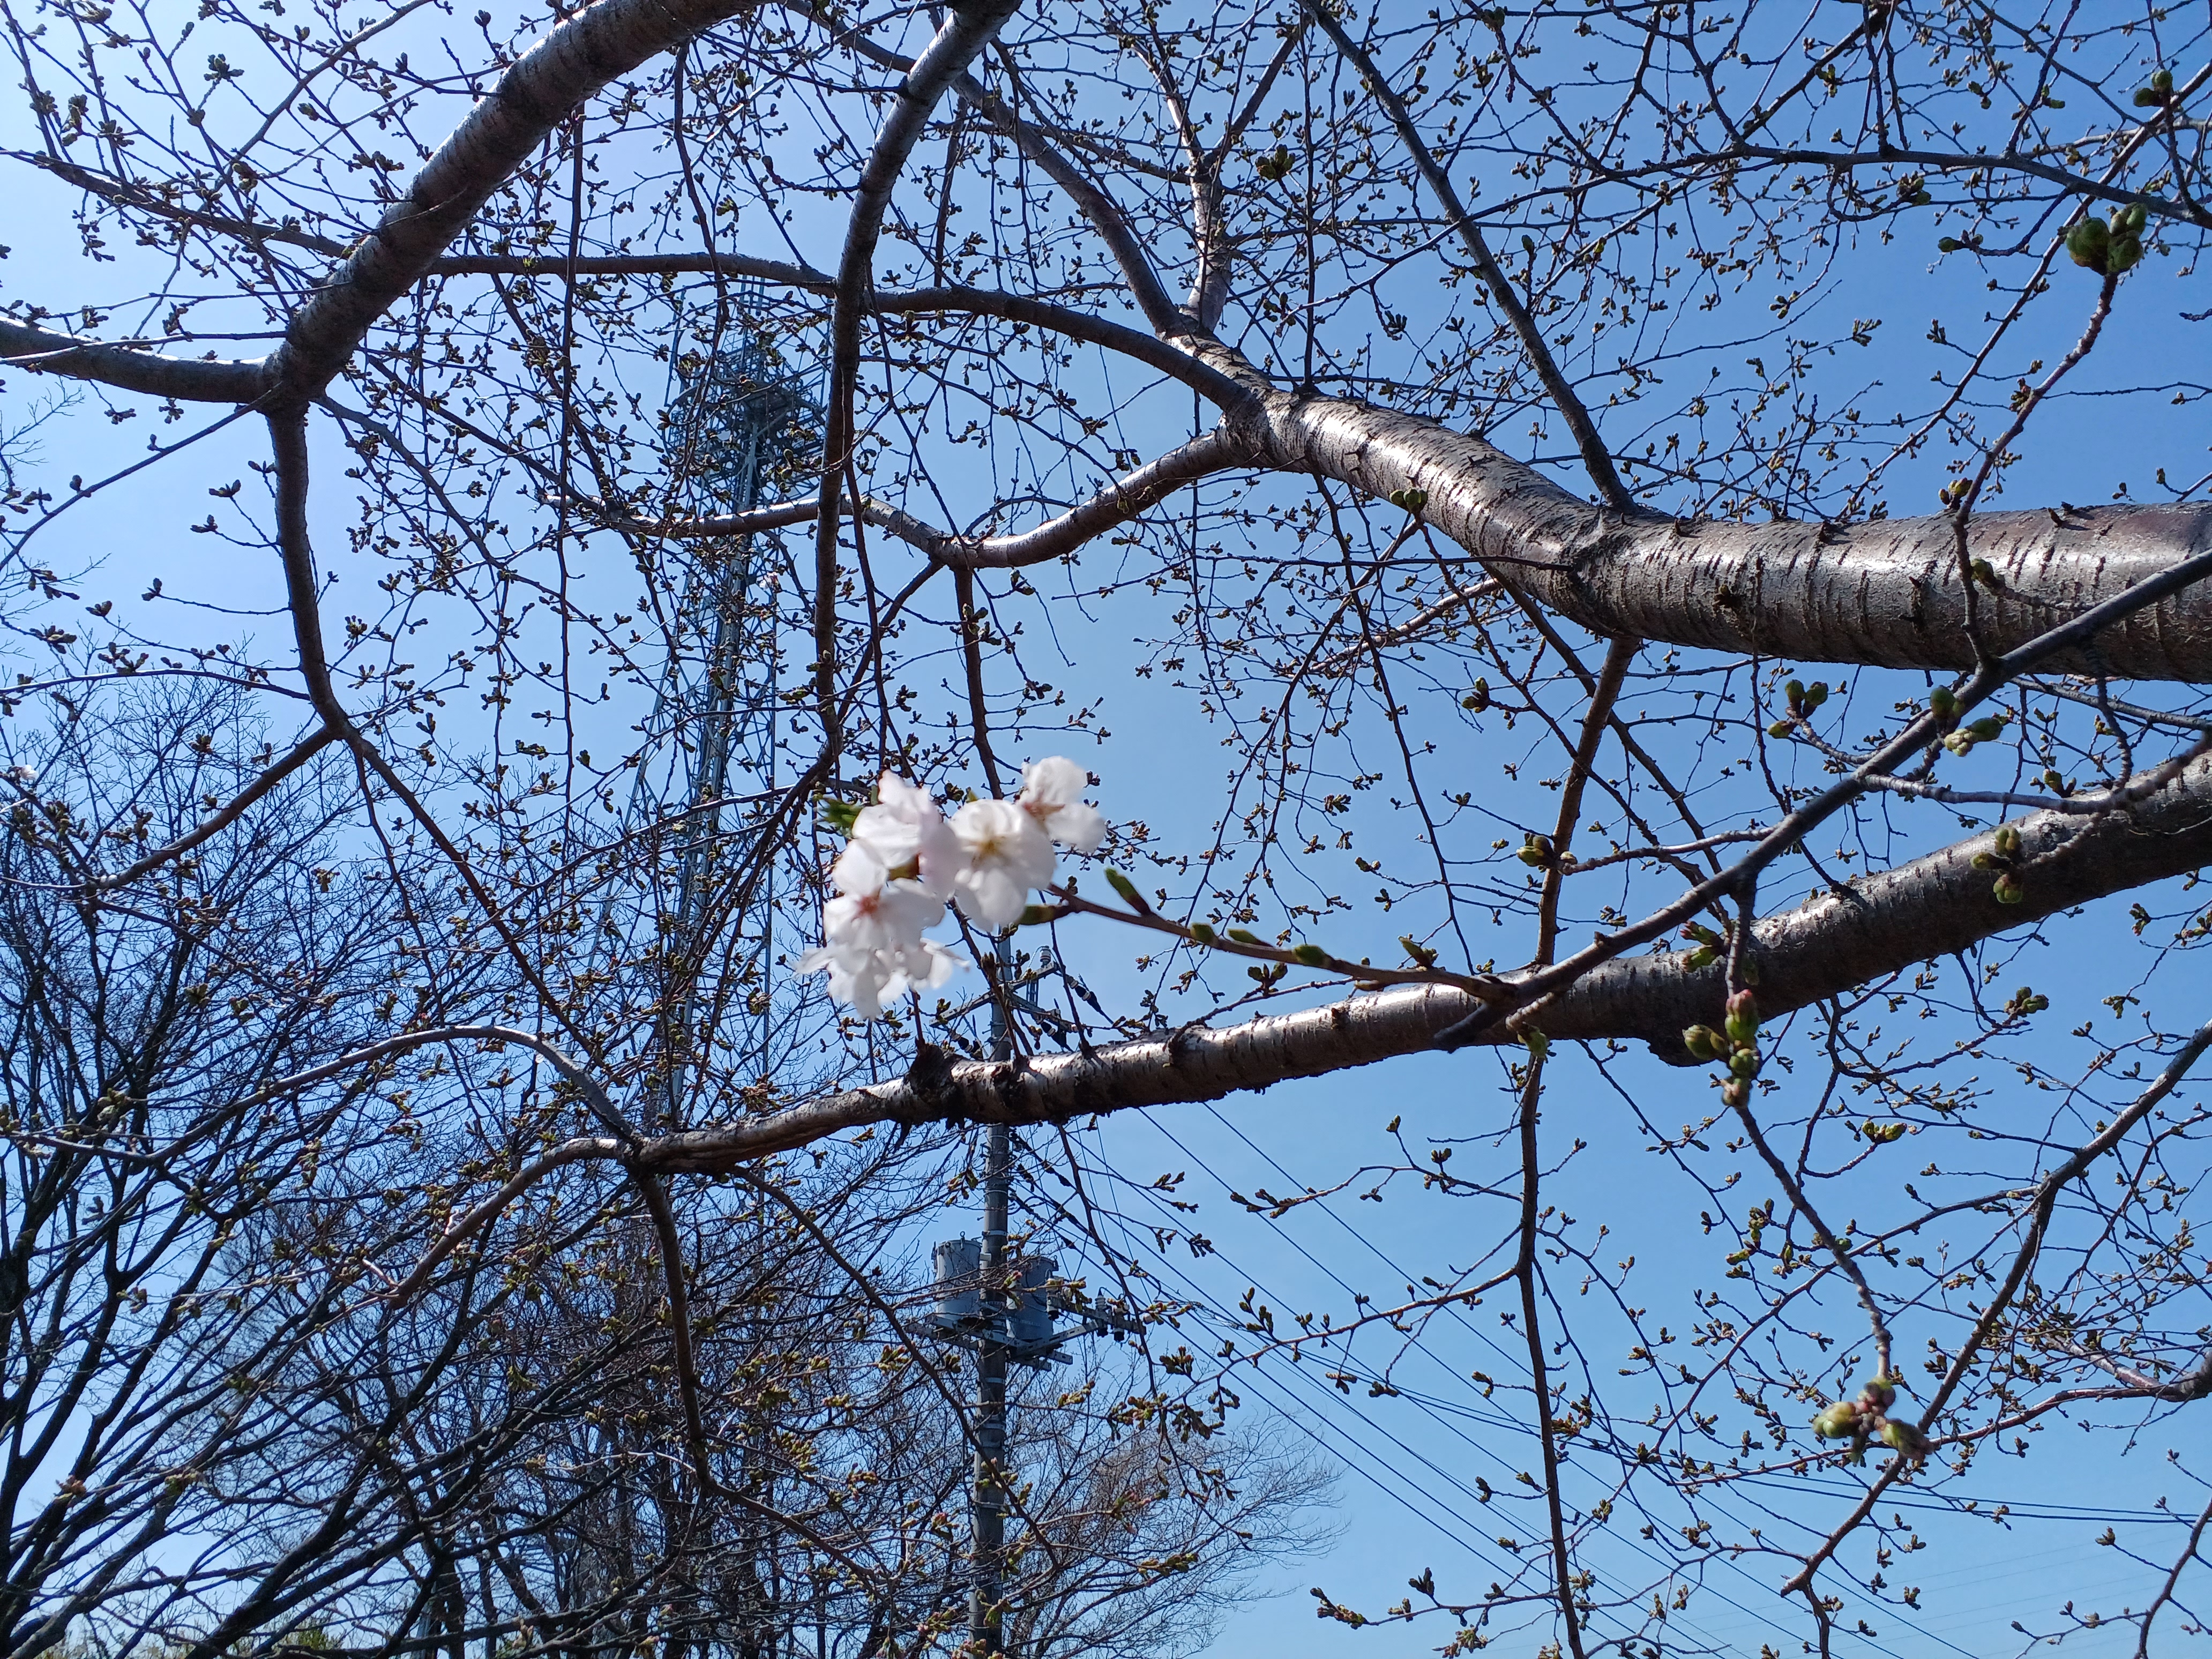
(127, 368)
(1885, 594)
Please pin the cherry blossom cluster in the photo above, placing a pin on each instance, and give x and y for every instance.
(906, 860)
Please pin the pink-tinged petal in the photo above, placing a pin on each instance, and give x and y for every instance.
(939, 858)
(1080, 826)
(900, 823)
(1051, 782)
(992, 894)
(860, 870)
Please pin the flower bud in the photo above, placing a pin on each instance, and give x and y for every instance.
(1816, 694)
(2125, 252)
(1742, 1021)
(1744, 1062)
(2007, 840)
(1702, 1041)
(1796, 692)
(1878, 1393)
(1904, 1438)
(1839, 1421)
(2009, 890)
(2086, 243)
(1943, 701)
(1735, 1093)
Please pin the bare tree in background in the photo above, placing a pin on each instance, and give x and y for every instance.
(1385, 377)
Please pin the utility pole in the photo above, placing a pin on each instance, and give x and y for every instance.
(1004, 1310)
(985, 1620)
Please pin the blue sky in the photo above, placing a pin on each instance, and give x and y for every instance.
(1407, 1494)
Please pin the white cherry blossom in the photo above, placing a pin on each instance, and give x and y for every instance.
(905, 832)
(872, 946)
(1008, 854)
(1052, 794)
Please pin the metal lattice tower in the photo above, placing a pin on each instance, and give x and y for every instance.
(741, 429)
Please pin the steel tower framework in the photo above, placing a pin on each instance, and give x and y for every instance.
(740, 425)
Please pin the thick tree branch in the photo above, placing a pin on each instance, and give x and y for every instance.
(539, 90)
(1116, 505)
(1886, 594)
(130, 368)
(1877, 926)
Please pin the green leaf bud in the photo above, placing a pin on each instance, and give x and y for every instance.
(1781, 728)
(1127, 888)
(2085, 244)
(1245, 936)
(1033, 915)
(1904, 1438)
(1200, 933)
(1311, 955)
